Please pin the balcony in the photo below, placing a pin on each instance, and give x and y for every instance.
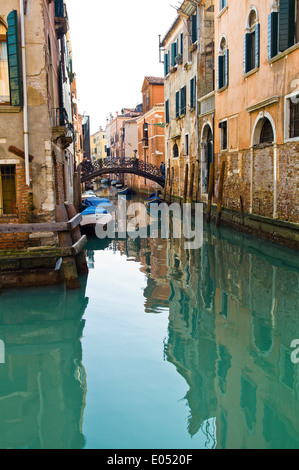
(61, 18)
(61, 127)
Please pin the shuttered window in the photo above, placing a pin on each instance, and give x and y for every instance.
(167, 116)
(252, 50)
(283, 27)
(174, 53)
(194, 28)
(14, 59)
(4, 75)
(183, 101)
(286, 24)
(166, 64)
(223, 70)
(193, 93)
(177, 104)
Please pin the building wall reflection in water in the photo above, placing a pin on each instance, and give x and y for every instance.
(42, 381)
(233, 312)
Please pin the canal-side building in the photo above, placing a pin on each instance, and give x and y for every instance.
(98, 144)
(151, 124)
(115, 130)
(257, 106)
(180, 45)
(36, 130)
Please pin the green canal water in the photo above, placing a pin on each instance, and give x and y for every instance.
(161, 348)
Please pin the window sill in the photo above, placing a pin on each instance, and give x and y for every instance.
(251, 72)
(222, 12)
(6, 108)
(222, 89)
(284, 53)
(291, 139)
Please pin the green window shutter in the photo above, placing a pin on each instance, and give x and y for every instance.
(257, 45)
(194, 29)
(173, 54)
(167, 111)
(286, 24)
(177, 104)
(220, 73)
(166, 64)
(14, 63)
(247, 53)
(182, 44)
(272, 35)
(191, 93)
(183, 101)
(226, 69)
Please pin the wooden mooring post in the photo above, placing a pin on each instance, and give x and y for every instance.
(220, 195)
(211, 192)
(186, 183)
(65, 240)
(166, 182)
(191, 185)
(80, 258)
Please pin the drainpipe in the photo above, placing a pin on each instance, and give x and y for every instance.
(25, 104)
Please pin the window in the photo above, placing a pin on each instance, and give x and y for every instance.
(4, 75)
(177, 104)
(283, 27)
(223, 135)
(8, 190)
(194, 35)
(222, 4)
(174, 53)
(252, 43)
(182, 45)
(193, 92)
(167, 117)
(166, 64)
(294, 117)
(187, 145)
(183, 94)
(223, 65)
(175, 152)
(267, 135)
(14, 64)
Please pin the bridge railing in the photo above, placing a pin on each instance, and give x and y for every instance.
(122, 163)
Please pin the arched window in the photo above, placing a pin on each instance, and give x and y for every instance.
(252, 42)
(223, 64)
(175, 152)
(4, 75)
(267, 135)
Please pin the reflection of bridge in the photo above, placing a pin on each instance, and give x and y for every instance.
(122, 166)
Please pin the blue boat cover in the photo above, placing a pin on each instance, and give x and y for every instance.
(95, 201)
(92, 210)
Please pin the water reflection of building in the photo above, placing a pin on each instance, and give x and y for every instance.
(42, 382)
(233, 312)
(232, 316)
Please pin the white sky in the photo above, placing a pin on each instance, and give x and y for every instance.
(115, 45)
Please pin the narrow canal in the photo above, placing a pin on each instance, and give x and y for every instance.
(162, 348)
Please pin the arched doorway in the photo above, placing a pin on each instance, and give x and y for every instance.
(264, 166)
(207, 155)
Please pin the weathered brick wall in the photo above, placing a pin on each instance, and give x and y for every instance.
(288, 182)
(60, 184)
(238, 178)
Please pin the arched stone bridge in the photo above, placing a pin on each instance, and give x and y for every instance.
(121, 166)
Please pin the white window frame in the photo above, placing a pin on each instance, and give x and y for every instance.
(221, 135)
(287, 100)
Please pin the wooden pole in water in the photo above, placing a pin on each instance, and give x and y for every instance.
(65, 240)
(186, 183)
(166, 181)
(211, 192)
(190, 199)
(171, 184)
(76, 236)
(220, 194)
